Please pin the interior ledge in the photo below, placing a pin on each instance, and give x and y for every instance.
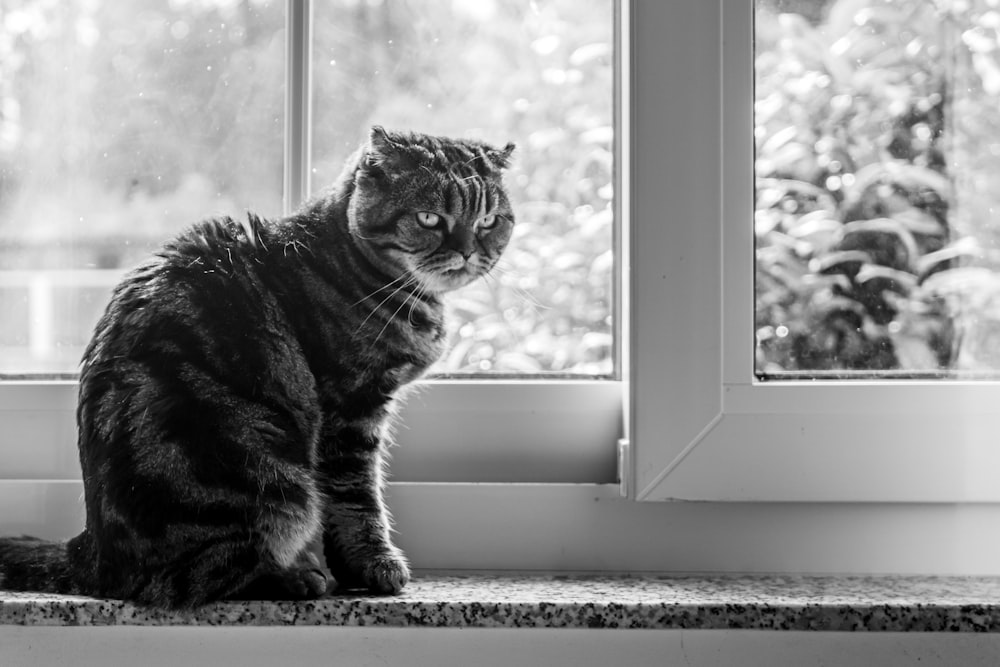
(645, 601)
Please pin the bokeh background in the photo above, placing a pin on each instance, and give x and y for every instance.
(877, 129)
(122, 123)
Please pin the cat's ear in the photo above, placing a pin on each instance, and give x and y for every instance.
(500, 157)
(380, 145)
(388, 155)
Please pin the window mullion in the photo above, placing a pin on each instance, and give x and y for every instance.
(298, 45)
(622, 184)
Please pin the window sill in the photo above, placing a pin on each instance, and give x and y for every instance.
(883, 604)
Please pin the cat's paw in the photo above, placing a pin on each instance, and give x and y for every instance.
(299, 582)
(305, 579)
(304, 583)
(387, 574)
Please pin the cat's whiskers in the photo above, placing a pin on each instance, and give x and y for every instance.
(491, 283)
(413, 298)
(306, 230)
(524, 294)
(356, 234)
(417, 296)
(294, 243)
(395, 312)
(386, 286)
(410, 280)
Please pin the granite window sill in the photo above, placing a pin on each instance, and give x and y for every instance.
(899, 604)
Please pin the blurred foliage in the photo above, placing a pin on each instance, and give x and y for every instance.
(877, 134)
(122, 123)
(539, 74)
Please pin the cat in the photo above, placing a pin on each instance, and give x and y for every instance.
(236, 399)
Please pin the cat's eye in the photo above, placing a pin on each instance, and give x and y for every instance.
(488, 222)
(428, 219)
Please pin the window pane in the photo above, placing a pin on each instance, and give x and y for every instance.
(877, 128)
(539, 73)
(121, 123)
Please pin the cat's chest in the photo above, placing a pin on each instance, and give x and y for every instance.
(419, 341)
(409, 361)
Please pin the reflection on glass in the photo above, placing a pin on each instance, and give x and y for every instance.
(537, 73)
(877, 130)
(121, 123)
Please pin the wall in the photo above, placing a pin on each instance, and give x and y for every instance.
(361, 647)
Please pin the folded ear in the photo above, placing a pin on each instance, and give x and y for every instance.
(389, 155)
(500, 157)
(381, 150)
(379, 143)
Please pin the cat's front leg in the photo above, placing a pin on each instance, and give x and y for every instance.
(356, 537)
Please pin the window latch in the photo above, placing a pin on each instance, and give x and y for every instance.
(624, 466)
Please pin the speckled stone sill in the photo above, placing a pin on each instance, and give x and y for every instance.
(924, 604)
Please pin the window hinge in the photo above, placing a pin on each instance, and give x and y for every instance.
(624, 466)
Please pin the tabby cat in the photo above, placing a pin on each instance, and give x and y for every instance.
(236, 398)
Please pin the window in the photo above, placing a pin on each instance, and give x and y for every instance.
(170, 112)
(538, 73)
(703, 427)
(118, 126)
(875, 226)
(175, 111)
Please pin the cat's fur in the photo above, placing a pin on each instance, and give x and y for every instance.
(236, 397)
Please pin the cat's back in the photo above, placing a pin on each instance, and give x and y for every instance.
(201, 285)
(191, 385)
(192, 326)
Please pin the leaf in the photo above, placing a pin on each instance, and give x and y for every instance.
(603, 135)
(517, 361)
(865, 235)
(590, 52)
(469, 303)
(797, 188)
(878, 277)
(847, 262)
(836, 306)
(455, 359)
(818, 228)
(910, 176)
(778, 140)
(918, 221)
(962, 282)
(966, 248)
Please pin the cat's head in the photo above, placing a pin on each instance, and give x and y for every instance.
(431, 207)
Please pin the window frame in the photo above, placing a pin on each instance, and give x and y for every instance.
(449, 430)
(587, 526)
(703, 427)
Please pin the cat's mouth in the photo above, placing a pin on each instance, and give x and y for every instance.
(445, 280)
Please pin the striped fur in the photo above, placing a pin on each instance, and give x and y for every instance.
(236, 397)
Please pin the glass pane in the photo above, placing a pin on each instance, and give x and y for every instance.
(539, 73)
(120, 124)
(877, 128)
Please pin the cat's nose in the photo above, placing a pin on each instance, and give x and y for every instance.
(462, 242)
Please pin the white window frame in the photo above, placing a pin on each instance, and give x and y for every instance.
(452, 431)
(703, 428)
(699, 428)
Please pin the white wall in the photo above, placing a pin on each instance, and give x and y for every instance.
(361, 647)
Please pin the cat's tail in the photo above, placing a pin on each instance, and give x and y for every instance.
(31, 564)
